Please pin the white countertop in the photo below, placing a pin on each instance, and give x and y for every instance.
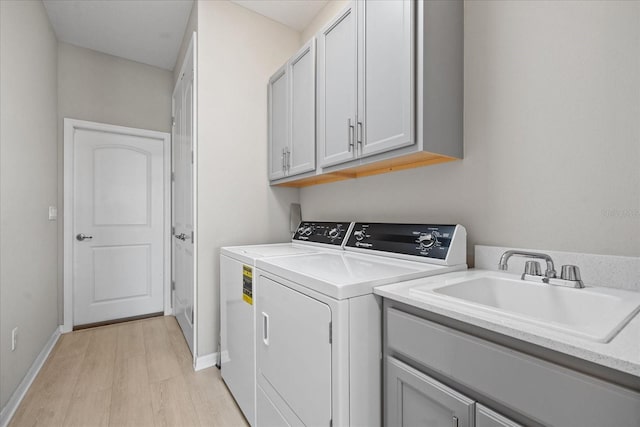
(621, 353)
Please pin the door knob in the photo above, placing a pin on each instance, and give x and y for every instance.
(181, 236)
(81, 237)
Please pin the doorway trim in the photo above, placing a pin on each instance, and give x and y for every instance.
(70, 126)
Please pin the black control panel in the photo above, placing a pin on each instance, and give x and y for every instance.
(424, 240)
(330, 233)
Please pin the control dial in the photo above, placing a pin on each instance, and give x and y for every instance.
(359, 234)
(334, 232)
(427, 240)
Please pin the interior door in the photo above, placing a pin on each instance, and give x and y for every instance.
(183, 201)
(294, 350)
(385, 75)
(337, 84)
(118, 225)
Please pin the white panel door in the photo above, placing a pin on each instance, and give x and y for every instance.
(183, 201)
(118, 215)
(278, 93)
(293, 350)
(385, 75)
(302, 78)
(337, 75)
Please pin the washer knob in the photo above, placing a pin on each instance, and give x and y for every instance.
(308, 231)
(426, 240)
(359, 234)
(334, 232)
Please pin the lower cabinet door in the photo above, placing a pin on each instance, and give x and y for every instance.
(485, 417)
(415, 399)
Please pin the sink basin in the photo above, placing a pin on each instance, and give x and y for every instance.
(593, 313)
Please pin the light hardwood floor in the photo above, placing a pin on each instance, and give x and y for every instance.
(130, 374)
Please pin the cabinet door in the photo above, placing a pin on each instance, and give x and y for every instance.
(337, 75)
(294, 352)
(278, 123)
(385, 75)
(415, 399)
(302, 78)
(485, 417)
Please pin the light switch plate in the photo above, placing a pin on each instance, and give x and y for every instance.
(53, 213)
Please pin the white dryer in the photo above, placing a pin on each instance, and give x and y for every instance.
(237, 299)
(318, 323)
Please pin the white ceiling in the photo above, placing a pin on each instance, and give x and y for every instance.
(147, 31)
(296, 14)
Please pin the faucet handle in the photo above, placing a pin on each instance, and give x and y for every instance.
(532, 268)
(570, 272)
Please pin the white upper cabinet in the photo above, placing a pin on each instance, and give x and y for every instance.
(292, 115)
(365, 81)
(337, 86)
(302, 77)
(385, 75)
(278, 123)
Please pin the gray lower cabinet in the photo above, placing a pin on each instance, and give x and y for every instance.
(415, 399)
(486, 417)
(528, 389)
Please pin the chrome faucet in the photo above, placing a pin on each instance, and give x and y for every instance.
(570, 273)
(549, 273)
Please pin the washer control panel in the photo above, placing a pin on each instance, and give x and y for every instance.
(330, 233)
(420, 240)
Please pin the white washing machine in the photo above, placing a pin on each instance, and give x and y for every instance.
(237, 299)
(318, 324)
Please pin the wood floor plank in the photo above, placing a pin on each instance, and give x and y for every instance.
(172, 405)
(98, 366)
(161, 359)
(90, 409)
(130, 340)
(131, 395)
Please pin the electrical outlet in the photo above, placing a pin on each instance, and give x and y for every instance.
(14, 338)
(53, 213)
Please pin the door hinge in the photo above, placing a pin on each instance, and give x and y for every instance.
(191, 156)
(330, 332)
(173, 231)
(192, 235)
(192, 315)
(173, 121)
(173, 285)
(173, 176)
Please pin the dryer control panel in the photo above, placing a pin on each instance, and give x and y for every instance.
(418, 241)
(329, 233)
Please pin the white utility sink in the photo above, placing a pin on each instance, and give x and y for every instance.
(594, 313)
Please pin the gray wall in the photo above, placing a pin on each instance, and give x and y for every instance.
(238, 50)
(102, 88)
(28, 171)
(552, 136)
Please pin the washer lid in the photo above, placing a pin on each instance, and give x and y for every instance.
(249, 254)
(346, 275)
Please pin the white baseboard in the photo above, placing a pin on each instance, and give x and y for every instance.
(12, 405)
(206, 361)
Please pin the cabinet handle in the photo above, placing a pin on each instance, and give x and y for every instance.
(265, 328)
(283, 161)
(350, 128)
(455, 422)
(288, 160)
(360, 135)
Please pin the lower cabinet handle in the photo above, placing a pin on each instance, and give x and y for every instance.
(265, 328)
